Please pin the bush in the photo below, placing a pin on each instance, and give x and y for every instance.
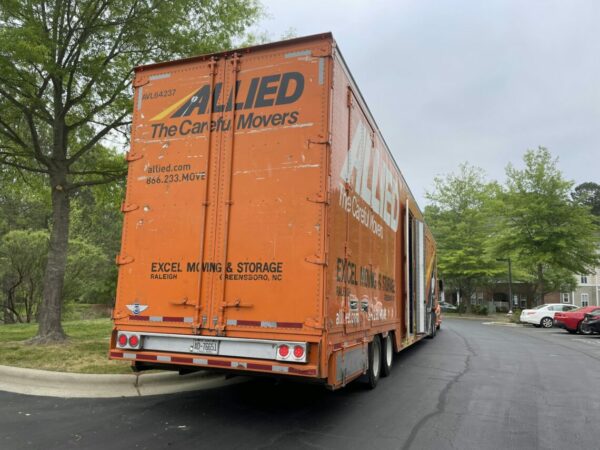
(516, 315)
(89, 276)
(480, 310)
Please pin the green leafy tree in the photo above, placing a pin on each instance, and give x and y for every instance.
(551, 236)
(65, 79)
(87, 272)
(588, 194)
(555, 280)
(96, 219)
(23, 255)
(24, 201)
(459, 219)
(22, 259)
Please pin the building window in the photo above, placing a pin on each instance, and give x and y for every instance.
(585, 299)
(565, 298)
(583, 279)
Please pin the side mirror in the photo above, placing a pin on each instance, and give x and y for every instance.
(441, 285)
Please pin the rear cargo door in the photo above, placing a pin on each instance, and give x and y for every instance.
(269, 236)
(168, 204)
(226, 198)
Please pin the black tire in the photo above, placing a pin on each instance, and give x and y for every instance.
(583, 329)
(387, 355)
(571, 331)
(432, 327)
(546, 322)
(374, 370)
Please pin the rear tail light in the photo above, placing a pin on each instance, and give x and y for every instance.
(122, 340)
(134, 340)
(530, 313)
(294, 352)
(298, 351)
(283, 351)
(129, 340)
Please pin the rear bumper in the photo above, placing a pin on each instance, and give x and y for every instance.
(569, 324)
(224, 346)
(529, 320)
(215, 362)
(231, 353)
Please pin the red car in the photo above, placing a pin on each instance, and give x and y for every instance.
(571, 321)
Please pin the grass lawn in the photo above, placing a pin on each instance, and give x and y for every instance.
(85, 352)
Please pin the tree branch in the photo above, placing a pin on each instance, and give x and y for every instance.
(113, 53)
(93, 141)
(80, 184)
(4, 160)
(87, 118)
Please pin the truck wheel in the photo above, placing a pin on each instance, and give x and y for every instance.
(432, 327)
(374, 362)
(387, 355)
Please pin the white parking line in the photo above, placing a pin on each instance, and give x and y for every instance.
(592, 342)
(502, 324)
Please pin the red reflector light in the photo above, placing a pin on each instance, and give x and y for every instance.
(284, 350)
(122, 340)
(134, 340)
(298, 351)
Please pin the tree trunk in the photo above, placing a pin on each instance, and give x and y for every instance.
(466, 292)
(8, 316)
(541, 284)
(50, 328)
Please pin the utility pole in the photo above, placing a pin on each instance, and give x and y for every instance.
(510, 296)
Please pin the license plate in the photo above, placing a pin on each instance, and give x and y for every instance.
(204, 346)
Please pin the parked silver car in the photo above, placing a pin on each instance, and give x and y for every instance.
(447, 307)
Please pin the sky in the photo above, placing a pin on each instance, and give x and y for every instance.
(468, 81)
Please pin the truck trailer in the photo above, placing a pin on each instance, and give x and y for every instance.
(267, 228)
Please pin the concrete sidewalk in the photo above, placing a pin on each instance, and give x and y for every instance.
(76, 385)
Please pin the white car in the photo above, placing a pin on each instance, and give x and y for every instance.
(543, 315)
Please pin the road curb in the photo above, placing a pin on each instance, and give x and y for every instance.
(502, 324)
(479, 319)
(75, 385)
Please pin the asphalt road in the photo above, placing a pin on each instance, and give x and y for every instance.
(475, 386)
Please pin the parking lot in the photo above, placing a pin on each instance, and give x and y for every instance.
(475, 386)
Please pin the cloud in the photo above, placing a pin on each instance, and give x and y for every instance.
(454, 81)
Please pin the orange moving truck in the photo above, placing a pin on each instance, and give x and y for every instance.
(267, 227)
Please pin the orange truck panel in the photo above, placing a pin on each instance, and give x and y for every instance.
(264, 212)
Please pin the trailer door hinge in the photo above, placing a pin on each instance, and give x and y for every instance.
(120, 314)
(237, 303)
(319, 141)
(316, 260)
(125, 207)
(182, 302)
(121, 260)
(317, 198)
(133, 156)
(350, 100)
(313, 323)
